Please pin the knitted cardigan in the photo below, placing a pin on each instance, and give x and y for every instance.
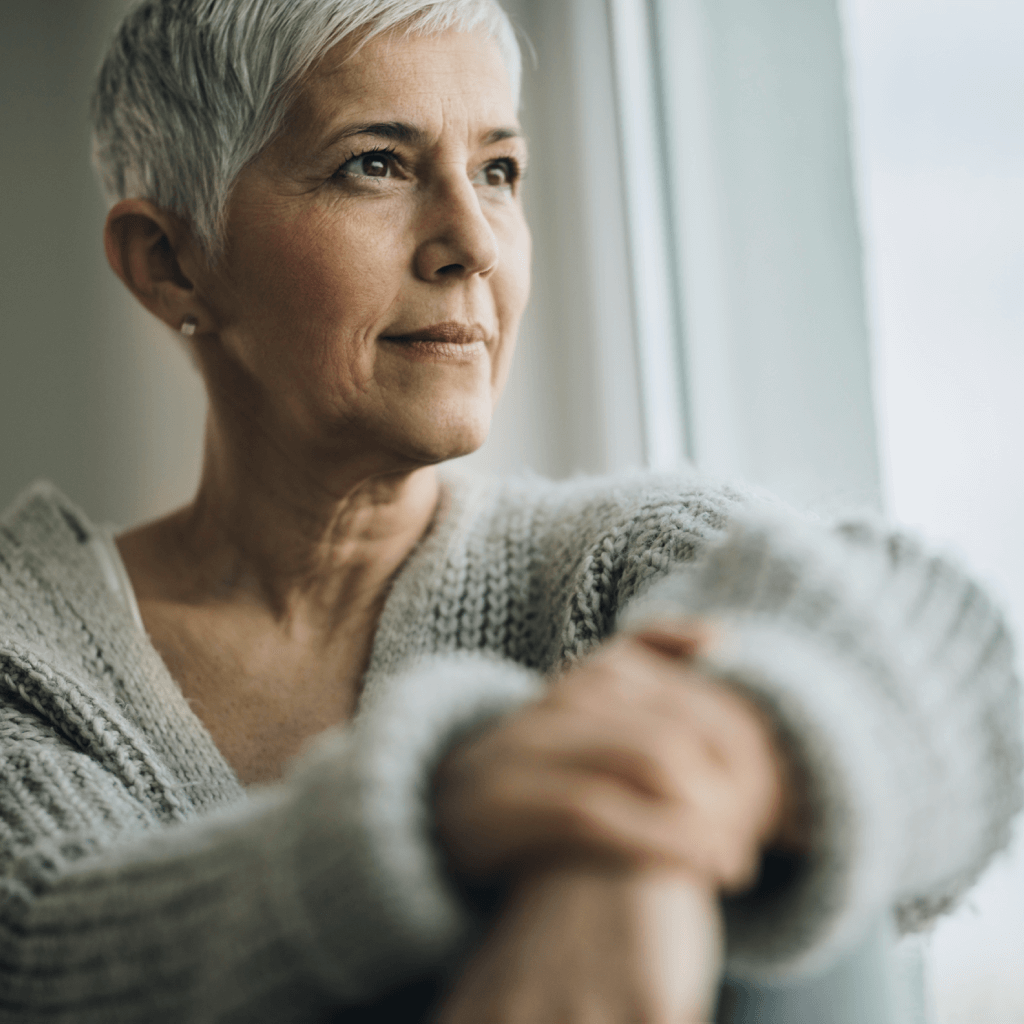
(140, 882)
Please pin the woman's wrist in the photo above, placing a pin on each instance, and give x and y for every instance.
(591, 942)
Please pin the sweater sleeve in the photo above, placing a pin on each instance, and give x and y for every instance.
(322, 891)
(890, 676)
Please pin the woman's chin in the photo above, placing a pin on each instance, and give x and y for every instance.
(455, 448)
(444, 439)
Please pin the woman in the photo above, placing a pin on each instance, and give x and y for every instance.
(574, 713)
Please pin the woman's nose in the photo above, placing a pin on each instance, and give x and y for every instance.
(458, 241)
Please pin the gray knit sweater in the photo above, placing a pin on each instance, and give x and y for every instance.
(140, 882)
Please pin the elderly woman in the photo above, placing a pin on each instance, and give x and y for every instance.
(558, 720)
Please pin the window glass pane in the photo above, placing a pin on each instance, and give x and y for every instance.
(938, 91)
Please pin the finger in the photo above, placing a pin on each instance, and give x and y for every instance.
(655, 737)
(621, 668)
(668, 746)
(641, 748)
(682, 743)
(606, 820)
(736, 733)
(720, 811)
(627, 673)
(681, 637)
(541, 813)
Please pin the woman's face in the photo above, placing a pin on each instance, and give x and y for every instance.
(377, 258)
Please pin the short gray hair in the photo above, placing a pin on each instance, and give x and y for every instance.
(191, 91)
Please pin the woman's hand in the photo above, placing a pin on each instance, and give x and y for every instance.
(632, 755)
(604, 946)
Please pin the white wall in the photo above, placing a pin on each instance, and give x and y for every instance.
(93, 394)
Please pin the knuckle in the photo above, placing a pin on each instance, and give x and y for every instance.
(582, 811)
(659, 760)
(585, 815)
(646, 761)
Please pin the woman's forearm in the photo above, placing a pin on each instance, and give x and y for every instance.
(608, 945)
(323, 890)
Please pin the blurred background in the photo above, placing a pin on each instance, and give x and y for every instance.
(938, 117)
(779, 238)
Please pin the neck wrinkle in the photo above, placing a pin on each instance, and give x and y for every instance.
(312, 544)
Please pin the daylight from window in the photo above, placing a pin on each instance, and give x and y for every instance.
(938, 95)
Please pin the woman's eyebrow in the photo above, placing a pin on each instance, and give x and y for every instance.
(408, 134)
(392, 131)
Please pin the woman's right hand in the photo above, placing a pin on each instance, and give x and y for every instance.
(597, 946)
(633, 757)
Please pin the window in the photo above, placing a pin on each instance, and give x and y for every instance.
(938, 95)
(729, 121)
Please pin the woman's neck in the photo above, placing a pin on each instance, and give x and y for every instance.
(263, 595)
(311, 544)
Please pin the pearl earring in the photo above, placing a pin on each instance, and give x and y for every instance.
(189, 325)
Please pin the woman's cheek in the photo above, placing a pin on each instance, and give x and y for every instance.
(511, 290)
(342, 283)
(517, 252)
(331, 256)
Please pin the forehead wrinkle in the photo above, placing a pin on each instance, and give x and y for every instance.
(394, 103)
(423, 128)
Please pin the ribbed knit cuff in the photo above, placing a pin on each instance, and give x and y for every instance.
(841, 744)
(360, 885)
(772, 600)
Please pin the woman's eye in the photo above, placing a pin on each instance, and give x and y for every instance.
(368, 165)
(497, 174)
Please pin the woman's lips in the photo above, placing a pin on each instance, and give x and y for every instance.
(449, 340)
(450, 332)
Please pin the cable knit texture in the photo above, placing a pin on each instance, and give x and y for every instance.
(140, 882)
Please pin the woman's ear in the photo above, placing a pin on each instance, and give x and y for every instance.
(143, 244)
